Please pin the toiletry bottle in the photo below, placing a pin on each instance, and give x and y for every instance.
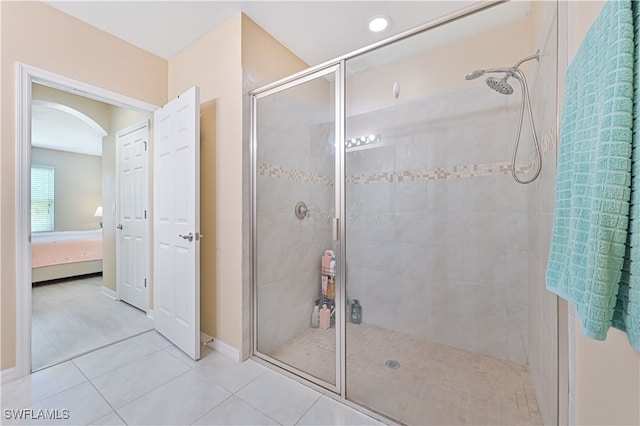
(331, 288)
(356, 312)
(325, 321)
(314, 315)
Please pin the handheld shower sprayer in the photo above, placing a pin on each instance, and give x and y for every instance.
(475, 74)
(502, 86)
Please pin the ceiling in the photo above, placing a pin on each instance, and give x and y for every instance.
(316, 31)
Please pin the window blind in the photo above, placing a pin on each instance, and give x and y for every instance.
(42, 198)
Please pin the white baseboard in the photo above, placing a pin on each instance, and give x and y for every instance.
(8, 375)
(150, 313)
(109, 293)
(220, 346)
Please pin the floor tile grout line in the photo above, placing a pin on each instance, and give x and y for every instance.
(50, 395)
(255, 408)
(217, 405)
(74, 357)
(55, 393)
(248, 383)
(310, 407)
(157, 349)
(103, 397)
(87, 289)
(154, 389)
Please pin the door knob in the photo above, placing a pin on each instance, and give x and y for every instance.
(119, 226)
(187, 237)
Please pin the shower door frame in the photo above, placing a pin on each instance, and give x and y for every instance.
(338, 71)
(338, 63)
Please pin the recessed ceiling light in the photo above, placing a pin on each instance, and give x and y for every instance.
(379, 23)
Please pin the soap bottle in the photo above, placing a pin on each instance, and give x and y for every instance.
(325, 321)
(356, 312)
(314, 315)
(331, 288)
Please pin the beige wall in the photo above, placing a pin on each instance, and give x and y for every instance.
(372, 89)
(606, 374)
(213, 64)
(78, 187)
(208, 218)
(265, 56)
(36, 34)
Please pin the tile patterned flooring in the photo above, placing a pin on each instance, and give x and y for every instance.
(435, 384)
(70, 318)
(145, 380)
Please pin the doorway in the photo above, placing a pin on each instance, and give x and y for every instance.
(75, 171)
(27, 77)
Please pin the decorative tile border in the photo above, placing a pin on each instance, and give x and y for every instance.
(453, 172)
(547, 145)
(271, 170)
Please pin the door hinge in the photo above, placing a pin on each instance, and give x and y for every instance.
(145, 283)
(145, 214)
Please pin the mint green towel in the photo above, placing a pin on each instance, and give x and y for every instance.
(593, 187)
(626, 315)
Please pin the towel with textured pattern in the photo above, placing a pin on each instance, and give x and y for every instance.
(626, 315)
(593, 186)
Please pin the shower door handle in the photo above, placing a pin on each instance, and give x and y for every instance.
(336, 228)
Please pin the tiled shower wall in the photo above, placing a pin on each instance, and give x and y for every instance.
(543, 317)
(295, 163)
(437, 233)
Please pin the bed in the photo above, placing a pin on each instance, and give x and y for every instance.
(56, 255)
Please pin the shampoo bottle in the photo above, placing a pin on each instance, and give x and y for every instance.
(314, 315)
(356, 312)
(325, 321)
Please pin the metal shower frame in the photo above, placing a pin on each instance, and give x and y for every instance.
(337, 66)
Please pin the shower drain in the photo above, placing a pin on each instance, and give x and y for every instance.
(393, 364)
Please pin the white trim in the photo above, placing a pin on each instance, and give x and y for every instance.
(26, 75)
(150, 314)
(105, 291)
(225, 349)
(23, 221)
(8, 375)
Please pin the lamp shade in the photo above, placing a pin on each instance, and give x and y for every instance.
(98, 212)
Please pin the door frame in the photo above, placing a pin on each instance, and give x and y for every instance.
(147, 266)
(27, 75)
(338, 70)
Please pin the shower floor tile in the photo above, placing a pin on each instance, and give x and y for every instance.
(434, 384)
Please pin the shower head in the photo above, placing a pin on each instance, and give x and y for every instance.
(474, 75)
(500, 85)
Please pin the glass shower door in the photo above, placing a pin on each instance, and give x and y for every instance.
(295, 255)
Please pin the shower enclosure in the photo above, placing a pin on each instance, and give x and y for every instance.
(395, 261)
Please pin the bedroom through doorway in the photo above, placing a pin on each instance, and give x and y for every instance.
(75, 218)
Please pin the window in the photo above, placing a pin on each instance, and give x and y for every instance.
(42, 198)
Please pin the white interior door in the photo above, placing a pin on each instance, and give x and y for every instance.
(132, 232)
(177, 221)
